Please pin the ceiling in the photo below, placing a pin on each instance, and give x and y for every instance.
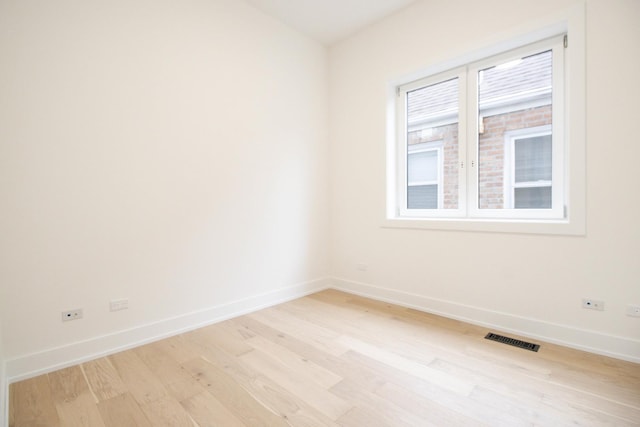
(329, 21)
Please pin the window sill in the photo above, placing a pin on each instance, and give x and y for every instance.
(548, 227)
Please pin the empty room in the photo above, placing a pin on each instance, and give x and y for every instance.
(319, 213)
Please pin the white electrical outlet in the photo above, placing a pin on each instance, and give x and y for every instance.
(592, 304)
(119, 304)
(72, 315)
(633, 310)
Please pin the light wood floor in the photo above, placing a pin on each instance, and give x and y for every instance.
(333, 359)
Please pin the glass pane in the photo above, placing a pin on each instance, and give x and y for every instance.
(533, 159)
(513, 95)
(422, 167)
(432, 116)
(422, 197)
(532, 198)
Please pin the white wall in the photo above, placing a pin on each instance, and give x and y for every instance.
(172, 153)
(523, 283)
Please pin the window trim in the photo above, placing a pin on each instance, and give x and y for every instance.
(570, 21)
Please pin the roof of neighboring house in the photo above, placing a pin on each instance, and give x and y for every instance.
(510, 82)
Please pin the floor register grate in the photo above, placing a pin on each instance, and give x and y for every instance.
(512, 341)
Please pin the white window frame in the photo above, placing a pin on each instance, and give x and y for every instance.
(557, 211)
(569, 21)
(424, 147)
(510, 185)
(402, 146)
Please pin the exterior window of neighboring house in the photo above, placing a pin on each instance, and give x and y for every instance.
(424, 176)
(485, 140)
(528, 169)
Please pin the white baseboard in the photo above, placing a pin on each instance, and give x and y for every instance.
(52, 359)
(594, 342)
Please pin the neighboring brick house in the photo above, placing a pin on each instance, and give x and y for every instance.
(515, 106)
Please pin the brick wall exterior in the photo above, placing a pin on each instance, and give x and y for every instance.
(448, 134)
(491, 152)
(491, 155)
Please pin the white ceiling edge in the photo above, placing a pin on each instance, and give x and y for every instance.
(329, 21)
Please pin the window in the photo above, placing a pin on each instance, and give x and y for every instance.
(485, 141)
(424, 175)
(528, 169)
(430, 150)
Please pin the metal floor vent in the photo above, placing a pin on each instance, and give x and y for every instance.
(511, 341)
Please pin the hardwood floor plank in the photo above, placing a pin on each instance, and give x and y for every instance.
(225, 335)
(531, 391)
(576, 414)
(175, 379)
(177, 348)
(492, 377)
(363, 396)
(67, 384)
(14, 405)
(295, 362)
(327, 361)
(318, 312)
(364, 416)
(281, 401)
(206, 410)
(166, 411)
(75, 404)
(232, 395)
(408, 366)
(103, 379)
(33, 403)
(291, 342)
(432, 412)
(122, 410)
(334, 296)
(318, 336)
(380, 329)
(622, 372)
(612, 384)
(390, 377)
(141, 383)
(81, 411)
(462, 407)
(296, 411)
(317, 397)
(383, 382)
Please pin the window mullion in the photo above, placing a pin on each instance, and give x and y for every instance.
(463, 161)
(471, 132)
